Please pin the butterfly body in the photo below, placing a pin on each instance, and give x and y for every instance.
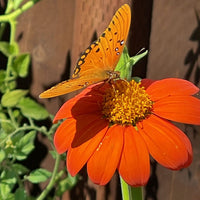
(97, 63)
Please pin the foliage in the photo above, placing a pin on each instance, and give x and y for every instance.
(19, 114)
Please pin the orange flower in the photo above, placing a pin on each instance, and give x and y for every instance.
(117, 126)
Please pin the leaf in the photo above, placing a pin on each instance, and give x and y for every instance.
(19, 168)
(6, 124)
(66, 184)
(30, 108)
(11, 99)
(9, 49)
(2, 76)
(25, 145)
(21, 64)
(2, 155)
(7, 183)
(39, 175)
(20, 194)
(11, 85)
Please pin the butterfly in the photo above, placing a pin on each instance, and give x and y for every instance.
(97, 63)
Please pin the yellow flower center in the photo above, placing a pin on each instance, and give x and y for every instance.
(126, 103)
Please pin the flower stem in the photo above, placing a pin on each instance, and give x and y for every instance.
(53, 179)
(130, 193)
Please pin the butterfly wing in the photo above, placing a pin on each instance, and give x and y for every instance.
(103, 55)
(67, 87)
(100, 59)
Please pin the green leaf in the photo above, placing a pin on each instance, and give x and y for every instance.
(20, 194)
(2, 76)
(25, 145)
(6, 123)
(7, 183)
(66, 184)
(39, 175)
(2, 155)
(19, 168)
(11, 99)
(30, 108)
(21, 64)
(9, 49)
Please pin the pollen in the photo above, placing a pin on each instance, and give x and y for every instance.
(126, 103)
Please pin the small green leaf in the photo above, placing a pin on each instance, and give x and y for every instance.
(25, 145)
(30, 108)
(21, 64)
(66, 184)
(7, 183)
(39, 175)
(2, 76)
(11, 98)
(20, 194)
(19, 168)
(2, 155)
(6, 123)
(9, 49)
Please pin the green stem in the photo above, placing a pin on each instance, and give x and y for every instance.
(12, 118)
(130, 193)
(136, 193)
(124, 188)
(9, 17)
(25, 128)
(52, 181)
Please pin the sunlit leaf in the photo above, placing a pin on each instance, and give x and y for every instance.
(25, 145)
(21, 64)
(11, 98)
(8, 180)
(9, 49)
(30, 108)
(39, 175)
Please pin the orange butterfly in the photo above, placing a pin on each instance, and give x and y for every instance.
(97, 63)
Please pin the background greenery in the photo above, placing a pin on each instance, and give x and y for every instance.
(19, 117)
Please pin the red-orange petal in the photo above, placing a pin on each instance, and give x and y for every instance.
(102, 164)
(64, 135)
(77, 106)
(87, 126)
(146, 82)
(78, 156)
(88, 101)
(165, 143)
(171, 86)
(134, 166)
(184, 109)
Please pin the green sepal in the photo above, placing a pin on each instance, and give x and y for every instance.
(126, 63)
